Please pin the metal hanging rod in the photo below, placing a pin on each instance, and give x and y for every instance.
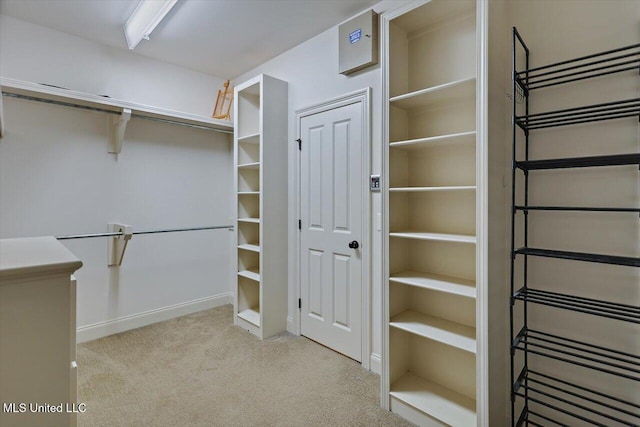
(169, 230)
(118, 113)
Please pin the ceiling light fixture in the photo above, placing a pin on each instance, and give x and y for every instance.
(146, 16)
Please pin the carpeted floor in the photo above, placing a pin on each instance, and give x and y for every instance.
(200, 370)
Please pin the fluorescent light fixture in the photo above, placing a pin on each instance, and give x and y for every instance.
(146, 16)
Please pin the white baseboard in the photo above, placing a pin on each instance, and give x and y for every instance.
(291, 326)
(375, 363)
(115, 326)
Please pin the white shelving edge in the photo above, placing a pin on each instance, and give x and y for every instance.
(437, 329)
(429, 189)
(250, 315)
(434, 140)
(436, 282)
(250, 274)
(41, 91)
(249, 247)
(458, 238)
(440, 93)
(444, 404)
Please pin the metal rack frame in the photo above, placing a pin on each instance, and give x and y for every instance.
(557, 395)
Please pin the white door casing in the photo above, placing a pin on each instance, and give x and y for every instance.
(334, 211)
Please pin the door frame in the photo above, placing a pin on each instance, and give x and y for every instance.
(363, 97)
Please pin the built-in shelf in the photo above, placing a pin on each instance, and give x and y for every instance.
(434, 328)
(444, 404)
(451, 285)
(251, 220)
(251, 315)
(429, 189)
(254, 165)
(252, 274)
(126, 109)
(457, 238)
(250, 139)
(249, 247)
(419, 143)
(448, 92)
(245, 193)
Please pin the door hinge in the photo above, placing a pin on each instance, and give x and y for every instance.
(299, 224)
(299, 141)
(300, 303)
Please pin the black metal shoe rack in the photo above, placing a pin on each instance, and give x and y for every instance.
(532, 389)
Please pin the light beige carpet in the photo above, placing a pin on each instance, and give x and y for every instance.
(200, 370)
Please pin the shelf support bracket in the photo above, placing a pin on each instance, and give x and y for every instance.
(118, 244)
(116, 130)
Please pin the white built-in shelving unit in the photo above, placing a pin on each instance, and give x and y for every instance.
(260, 153)
(433, 225)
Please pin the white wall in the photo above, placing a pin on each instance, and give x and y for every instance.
(555, 31)
(311, 69)
(57, 178)
(37, 54)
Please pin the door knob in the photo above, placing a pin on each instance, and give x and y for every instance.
(354, 245)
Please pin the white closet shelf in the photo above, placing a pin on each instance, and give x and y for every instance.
(254, 165)
(457, 238)
(38, 90)
(444, 404)
(252, 220)
(245, 193)
(254, 138)
(444, 93)
(251, 273)
(427, 189)
(420, 143)
(249, 247)
(435, 13)
(437, 282)
(251, 315)
(434, 328)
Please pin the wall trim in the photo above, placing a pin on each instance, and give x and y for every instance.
(375, 363)
(126, 323)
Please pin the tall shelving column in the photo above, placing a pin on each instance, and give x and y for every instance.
(260, 182)
(552, 373)
(431, 150)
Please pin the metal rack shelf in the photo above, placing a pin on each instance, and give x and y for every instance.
(586, 67)
(579, 353)
(580, 162)
(574, 400)
(540, 399)
(628, 313)
(576, 209)
(581, 256)
(578, 115)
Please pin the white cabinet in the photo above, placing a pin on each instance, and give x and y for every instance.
(260, 160)
(37, 332)
(436, 357)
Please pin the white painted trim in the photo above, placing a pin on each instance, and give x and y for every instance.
(362, 96)
(375, 363)
(122, 324)
(482, 215)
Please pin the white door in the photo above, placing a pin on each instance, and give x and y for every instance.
(331, 187)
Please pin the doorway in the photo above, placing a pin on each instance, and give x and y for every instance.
(334, 224)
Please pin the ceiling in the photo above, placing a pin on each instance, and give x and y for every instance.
(224, 38)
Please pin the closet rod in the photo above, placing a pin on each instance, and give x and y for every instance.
(104, 110)
(169, 230)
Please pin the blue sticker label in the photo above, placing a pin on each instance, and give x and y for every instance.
(355, 36)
